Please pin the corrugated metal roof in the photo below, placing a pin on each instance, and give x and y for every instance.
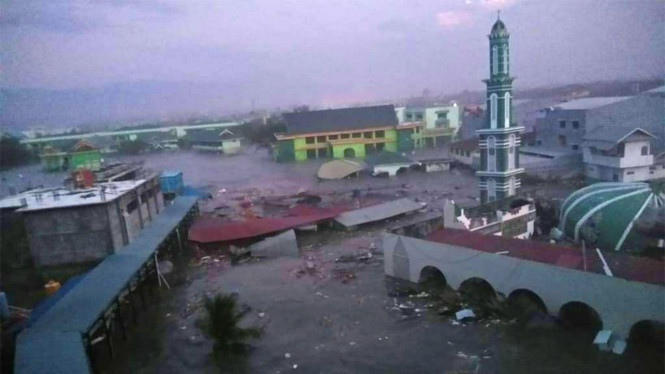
(590, 102)
(212, 230)
(53, 343)
(340, 119)
(51, 352)
(623, 266)
(378, 212)
(612, 134)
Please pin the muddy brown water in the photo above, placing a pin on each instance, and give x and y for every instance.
(325, 325)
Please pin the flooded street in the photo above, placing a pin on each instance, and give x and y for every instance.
(322, 321)
(327, 326)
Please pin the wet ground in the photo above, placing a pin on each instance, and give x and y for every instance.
(319, 322)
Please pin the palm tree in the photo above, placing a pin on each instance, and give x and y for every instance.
(221, 324)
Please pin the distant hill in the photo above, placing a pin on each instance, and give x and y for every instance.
(149, 102)
(112, 105)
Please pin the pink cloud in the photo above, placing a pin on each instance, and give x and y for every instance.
(453, 18)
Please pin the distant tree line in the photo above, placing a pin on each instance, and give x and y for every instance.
(262, 134)
(13, 153)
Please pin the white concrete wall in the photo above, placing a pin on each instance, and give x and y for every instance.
(620, 303)
(390, 169)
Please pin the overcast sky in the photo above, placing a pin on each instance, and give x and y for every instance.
(324, 52)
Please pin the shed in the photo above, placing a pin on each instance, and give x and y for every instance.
(389, 162)
(171, 182)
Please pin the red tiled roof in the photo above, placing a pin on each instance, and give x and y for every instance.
(624, 266)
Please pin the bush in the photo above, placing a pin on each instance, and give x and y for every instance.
(222, 324)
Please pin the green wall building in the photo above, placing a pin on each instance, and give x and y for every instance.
(84, 154)
(343, 133)
(499, 139)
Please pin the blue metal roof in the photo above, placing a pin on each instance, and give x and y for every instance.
(50, 352)
(79, 309)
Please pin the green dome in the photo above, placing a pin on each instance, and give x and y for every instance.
(605, 214)
(499, 29)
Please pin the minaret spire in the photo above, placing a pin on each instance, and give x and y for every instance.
(499, 139)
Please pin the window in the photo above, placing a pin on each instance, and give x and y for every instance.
(593, 150)
(506, 109)
(630, 173)
(575, 147)
(576, 125)
(495, 60)
(539, 142)
(380, 146)
(345, 136)
(311, 154)
(369, 149)
(493, 104)
(323, 152)
(442, 115)
(562, 124)
(562, 140)
(645, 150)
(332, 137)
(309, 140)
(468, 154)
(380, 134)
(419, 116)
(512, 143)
(320, 139)
(132, 206)
(491, 154)
(367, 135)
(408, 115)
(357, 135)
(491, 190)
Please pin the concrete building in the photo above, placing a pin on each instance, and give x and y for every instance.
(83, 154)
(80, 226)
(555, 278)
(388, 163)
(619, 154)
(467, 152)
(225, 142)
(343, 133)
(517, 222)
(438, 124)
(564, 125)
(499, 140)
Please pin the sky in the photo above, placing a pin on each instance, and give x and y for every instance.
(323, 53)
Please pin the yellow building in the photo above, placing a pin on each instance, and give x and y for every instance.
(342, 133)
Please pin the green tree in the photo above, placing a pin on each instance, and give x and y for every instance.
(12, 153)
(221, 323)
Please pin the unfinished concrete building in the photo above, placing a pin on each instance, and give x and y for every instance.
(85, 225)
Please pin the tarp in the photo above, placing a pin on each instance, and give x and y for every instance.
(338, 169)
(378, 212)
